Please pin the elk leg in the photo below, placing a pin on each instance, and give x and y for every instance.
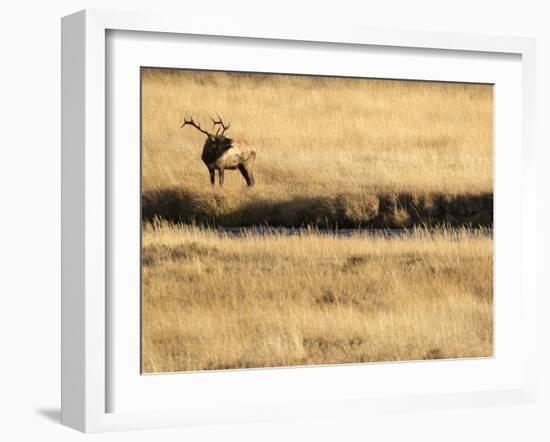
(220, 172)
(251, 175)
(245, 174)
(212, 176)
(249, 167)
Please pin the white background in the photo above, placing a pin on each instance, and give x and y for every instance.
(30, 218)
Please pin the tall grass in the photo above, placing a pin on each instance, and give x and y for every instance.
(212, 301)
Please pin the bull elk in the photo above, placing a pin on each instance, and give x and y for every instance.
(222, 153)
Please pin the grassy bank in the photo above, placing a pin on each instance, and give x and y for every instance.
(329, 150)
(345, 210)
(215, 302)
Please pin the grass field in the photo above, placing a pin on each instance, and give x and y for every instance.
(331, 153)
(212, 302)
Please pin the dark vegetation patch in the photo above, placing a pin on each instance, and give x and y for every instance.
(434, 353)
(319, 346)
(366, 299)
(354, 261)
(361, 210)
(156, 253)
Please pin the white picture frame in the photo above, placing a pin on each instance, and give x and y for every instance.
(87, 357)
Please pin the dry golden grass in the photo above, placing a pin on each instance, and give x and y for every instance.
(321, 136)
(331, 152)
(215, 302)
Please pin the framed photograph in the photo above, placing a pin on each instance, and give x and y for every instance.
(267, 222)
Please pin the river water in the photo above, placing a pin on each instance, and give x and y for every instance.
(370, 233)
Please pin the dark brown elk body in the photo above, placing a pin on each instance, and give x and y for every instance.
(222, 153)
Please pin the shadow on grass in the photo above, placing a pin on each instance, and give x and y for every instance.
(346, 210)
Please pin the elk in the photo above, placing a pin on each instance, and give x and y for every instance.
(222, 153)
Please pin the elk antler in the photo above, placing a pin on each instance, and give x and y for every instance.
(223, 126)
(196, 126)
